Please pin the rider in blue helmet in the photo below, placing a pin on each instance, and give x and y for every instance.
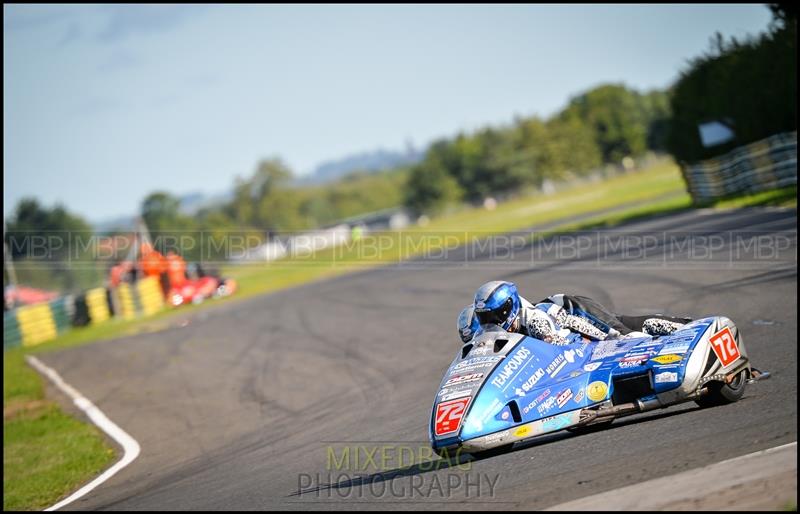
(498, 302)
(561, 319)
(468, 323)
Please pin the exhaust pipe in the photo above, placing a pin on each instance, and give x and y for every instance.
(590, 416)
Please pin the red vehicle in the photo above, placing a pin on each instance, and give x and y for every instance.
(198, 289)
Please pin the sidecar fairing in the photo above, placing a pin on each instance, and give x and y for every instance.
(502, 387)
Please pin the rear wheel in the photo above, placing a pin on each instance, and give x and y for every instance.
(720, 393)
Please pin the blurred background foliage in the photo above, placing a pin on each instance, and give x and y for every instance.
(749, 84)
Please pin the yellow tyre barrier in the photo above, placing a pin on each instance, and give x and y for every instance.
(151, 297)
(97, 303)
(36, 323)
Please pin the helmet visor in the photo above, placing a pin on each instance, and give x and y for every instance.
(498, 316)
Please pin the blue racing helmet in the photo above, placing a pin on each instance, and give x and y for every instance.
(497, 302)
(467, 323)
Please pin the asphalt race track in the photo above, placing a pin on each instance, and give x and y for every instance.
(256, 404)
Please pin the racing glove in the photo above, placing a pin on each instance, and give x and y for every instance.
(660, 327)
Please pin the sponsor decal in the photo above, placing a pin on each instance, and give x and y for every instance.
(457, 394)
(488, 412)
(570, 356)
(463, 378)
(504, 415)
(448, 416)
(554, 367)
(563, 397)
(480, 350)
(576, 373)
(679, 342)
(597, 391)
(683, 348)
(667, 359)
(556, 422)
(666, 377)
(634, 358)
(522, 431)
(497, 436)
(579, 396)
(631, 364)
(546, 405)
(682, 337)
(605, 349)
(474, 364)
(724, 345)
(536, 401)
(592, 366)
(476, 361)
(528, 385)
(512, 364)
(642, 352)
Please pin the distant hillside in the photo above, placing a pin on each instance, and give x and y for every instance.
(111, 224)
(193, 202)
(378, 160)
(325, 173)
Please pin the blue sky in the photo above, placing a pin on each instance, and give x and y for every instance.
(103, 104)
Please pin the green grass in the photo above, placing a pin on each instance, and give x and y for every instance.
(46, 453)
(783, 197)
(376, 249)
(458, 227)
(657, 208)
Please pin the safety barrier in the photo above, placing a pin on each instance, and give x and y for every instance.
(767, 164)
(12, 336)
(98, 305)
(151, 298)
(123, 301)
(34, 324)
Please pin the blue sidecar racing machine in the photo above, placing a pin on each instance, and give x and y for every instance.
(503, 388)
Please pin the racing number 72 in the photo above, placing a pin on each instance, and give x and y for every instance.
(449, 414)
(724, 345)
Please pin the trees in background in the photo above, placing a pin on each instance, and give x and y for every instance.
(32, 224)
(616, 118)
(268, 200)
(45, 242)
(749, 85)
(161, 212)
(430, 187)
(601, 126)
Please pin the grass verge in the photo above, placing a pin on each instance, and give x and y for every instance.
(46, 453)
(381, 248)
(783, 197)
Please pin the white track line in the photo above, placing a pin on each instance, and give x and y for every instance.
(129, 445)
(694, 484)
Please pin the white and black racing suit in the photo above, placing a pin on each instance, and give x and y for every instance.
(565, 319)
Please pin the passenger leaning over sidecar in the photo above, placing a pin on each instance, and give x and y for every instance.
(562, 319)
